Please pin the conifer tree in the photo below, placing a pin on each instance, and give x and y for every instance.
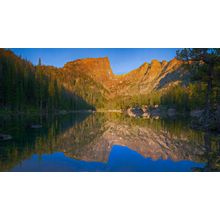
(207, 60)
(39, 62)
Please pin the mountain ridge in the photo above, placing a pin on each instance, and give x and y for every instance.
(93, 79)
(99, 69)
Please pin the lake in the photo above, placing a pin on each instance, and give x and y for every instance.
(105, 142)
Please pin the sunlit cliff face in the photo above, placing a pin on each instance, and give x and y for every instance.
(98, 69)
(145, 79)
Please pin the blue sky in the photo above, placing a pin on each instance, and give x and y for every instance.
(122, 59)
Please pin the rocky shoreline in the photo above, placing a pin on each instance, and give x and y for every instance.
(196, 116)
(158, 112)
(155, 112)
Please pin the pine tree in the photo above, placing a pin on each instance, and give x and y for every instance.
(206, 59)
(39, 62)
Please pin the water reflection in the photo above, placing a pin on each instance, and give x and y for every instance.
(105, 142)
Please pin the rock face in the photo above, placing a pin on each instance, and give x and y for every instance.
(143, 80)
(93, 80)
(150, 77)
(99, 69)
(87, 79)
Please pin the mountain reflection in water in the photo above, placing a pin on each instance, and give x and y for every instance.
(105, 142)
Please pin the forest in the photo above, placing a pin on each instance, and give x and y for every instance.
(25, 87)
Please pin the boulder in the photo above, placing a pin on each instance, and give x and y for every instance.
(156, 112)
(135, 112)
(146, 115)
(156, 117)
(145, 108)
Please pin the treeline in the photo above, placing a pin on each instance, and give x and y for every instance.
(25, 87)
(185, 98)
(182, 98)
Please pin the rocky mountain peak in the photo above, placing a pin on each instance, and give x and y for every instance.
(98, 69)
(155, 68)
(173, 64)
(142, 80)
(155, 62)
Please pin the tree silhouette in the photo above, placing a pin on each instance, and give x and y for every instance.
(39, 62)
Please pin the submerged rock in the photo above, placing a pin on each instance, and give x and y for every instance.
(5, 137)
(196, 113)
(63, 112)
(171, 112)
(36, 126)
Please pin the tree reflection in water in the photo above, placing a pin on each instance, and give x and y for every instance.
(90, 137)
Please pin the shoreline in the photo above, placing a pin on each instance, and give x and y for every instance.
(59, 112)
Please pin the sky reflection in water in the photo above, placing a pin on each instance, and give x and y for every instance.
(122, 159)
(105, 142)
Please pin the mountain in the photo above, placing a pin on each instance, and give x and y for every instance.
(79, 78)
(143, 80)
(151, 77)
(88, 83)
(93, 80)
(99, 69)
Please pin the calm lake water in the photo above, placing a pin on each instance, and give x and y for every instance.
(105, 142)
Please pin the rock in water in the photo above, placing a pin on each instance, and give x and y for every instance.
(146, 115)
(5, 137)
(196, 113)
(155, 113)
(36, 126)
(171, 112)
(135, 112)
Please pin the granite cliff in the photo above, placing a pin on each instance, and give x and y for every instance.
(94, 80)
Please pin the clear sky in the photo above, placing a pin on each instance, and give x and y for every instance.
(122, 59)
